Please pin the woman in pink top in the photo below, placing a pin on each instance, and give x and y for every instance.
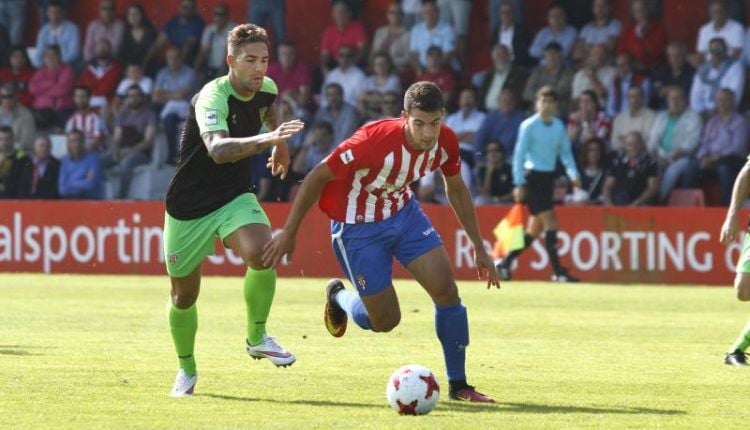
(52, 89)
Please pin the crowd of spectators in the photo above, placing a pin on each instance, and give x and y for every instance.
(644, 114)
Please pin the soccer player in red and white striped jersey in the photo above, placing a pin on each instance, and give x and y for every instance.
(363, 186)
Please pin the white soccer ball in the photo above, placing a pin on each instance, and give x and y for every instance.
(412, 390)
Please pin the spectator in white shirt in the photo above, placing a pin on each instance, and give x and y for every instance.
(465, 123)
(430, 32)
(347, 74)
(595, 75)
(721, 26)
(603, 29)
(720, 72)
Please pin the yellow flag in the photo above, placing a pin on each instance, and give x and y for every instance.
(509, 232)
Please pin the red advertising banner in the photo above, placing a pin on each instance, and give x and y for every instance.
(619, 245)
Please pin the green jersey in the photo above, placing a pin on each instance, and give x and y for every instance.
(200, 185)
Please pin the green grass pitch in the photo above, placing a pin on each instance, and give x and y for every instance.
(95, 352)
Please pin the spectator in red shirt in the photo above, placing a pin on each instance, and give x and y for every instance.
(436, 72)
(643, 39)
(343, 31)
(102, 75)
(291, 75)
(19, 73)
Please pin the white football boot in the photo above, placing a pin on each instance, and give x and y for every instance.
(271, 350)
(183, 384)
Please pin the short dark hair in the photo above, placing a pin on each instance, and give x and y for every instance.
(324, 125)
(244, 34)
(135, 87)
(6, 129)
(594, 97)
(553, 46)
(425, 96)
(78, 133)
(547, 92)
(592, 141)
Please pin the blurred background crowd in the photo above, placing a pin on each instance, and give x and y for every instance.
(93, 110)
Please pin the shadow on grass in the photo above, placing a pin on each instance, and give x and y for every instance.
(291, 402)
(15, 350)
(533, 408)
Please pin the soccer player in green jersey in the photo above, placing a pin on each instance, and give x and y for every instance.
(210, 196)
(729, 232)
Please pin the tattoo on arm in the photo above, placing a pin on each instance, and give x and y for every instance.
(225, 149)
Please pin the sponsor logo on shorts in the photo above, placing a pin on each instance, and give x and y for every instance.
(347, 156)
(361, 281)
(212, 117)
(172, 258)
(429, 231)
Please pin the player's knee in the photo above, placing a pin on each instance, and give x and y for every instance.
(183, 300)
(386, 322)
(446, 296)
(742, 288)
(253, 258)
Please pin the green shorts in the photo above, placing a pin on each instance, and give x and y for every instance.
(188, 242)
(743, 263)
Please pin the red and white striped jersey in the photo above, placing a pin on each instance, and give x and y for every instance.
(374, 168)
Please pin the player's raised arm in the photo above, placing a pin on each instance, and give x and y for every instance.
(224, 149)
(460, 199)
(309, 192)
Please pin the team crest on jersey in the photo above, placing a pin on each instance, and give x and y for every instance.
(361, 281)
(347, 156)
(172, 258)
(212, 117)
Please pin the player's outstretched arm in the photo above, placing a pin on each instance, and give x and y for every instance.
(460, 199)
(284, 241)
(731, 227)
(224, 149)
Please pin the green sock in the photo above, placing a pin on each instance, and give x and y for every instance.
(183, 324)
(260, 286)
(743, 341)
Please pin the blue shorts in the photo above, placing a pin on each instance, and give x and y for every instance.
(365, 251)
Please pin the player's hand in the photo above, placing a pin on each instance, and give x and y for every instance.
(518, 194)
(729, 230)
(279, 161)
(281, 244)
(288, 129)
(484, 264)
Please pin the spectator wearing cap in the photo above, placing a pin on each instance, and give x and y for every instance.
(557, 31)
(553, 72)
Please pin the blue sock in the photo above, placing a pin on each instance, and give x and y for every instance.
(352, 304)
(452, 327)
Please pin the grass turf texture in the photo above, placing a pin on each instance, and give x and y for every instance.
(94, 351)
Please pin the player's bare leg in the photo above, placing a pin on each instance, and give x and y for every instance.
(247, 242)
(183, 324)
(736, 354)
(434, 272)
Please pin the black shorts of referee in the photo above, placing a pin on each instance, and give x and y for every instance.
(539, 191)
